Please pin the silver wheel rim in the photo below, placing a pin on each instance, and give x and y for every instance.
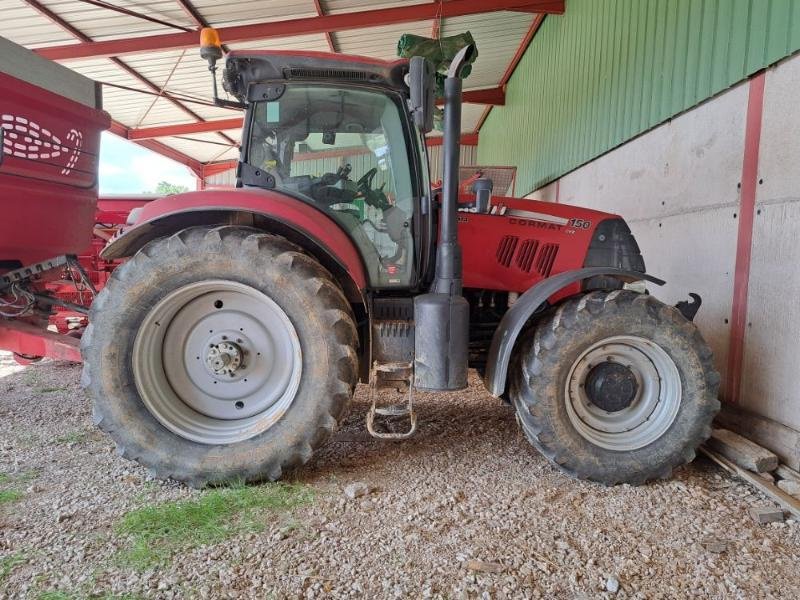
(217, 362)
(653, 409)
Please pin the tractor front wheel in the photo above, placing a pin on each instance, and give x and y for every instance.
(220, 354)
(615, 387)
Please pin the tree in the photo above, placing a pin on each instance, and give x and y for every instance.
(165, 188)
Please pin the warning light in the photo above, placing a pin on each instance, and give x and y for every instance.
(210, 45)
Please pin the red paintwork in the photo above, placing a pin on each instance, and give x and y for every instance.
(145, 133)
(48, 200)
(480, 236)
(305, 25)
(494, 96)
(295, 213)
(24, 338)
(744, 241)
(467, 139)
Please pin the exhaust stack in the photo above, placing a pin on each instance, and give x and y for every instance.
(442, 316)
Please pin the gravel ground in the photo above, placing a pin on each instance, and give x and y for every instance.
(467, 488)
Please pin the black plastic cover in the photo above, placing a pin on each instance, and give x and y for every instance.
(612, 245)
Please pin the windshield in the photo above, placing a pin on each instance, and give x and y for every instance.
(345, 151)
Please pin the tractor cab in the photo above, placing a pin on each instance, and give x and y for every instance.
(337, 136)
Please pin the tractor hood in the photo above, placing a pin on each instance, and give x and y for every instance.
(244, 68)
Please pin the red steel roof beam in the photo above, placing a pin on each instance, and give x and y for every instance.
(210, 169)
(512, 66)
(328, 34)
(133, 13)
(302, 26)
(493, 96)
(194, 14)
(184, 128)
(467, 139)
(124, 132)
(77, 33)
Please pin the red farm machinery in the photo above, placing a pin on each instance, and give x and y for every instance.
(228, 344)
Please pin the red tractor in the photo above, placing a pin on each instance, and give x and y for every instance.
(229, 344)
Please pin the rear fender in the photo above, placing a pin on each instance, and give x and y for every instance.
(270, 211)
(512, 323)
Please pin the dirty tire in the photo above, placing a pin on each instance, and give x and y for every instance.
(298, 284)
(543, 366)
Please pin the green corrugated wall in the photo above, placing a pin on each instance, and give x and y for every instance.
(608, 70)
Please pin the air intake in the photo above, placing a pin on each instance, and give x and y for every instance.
(526, 254)
(506, 248)
(546, 258)
(340, 74)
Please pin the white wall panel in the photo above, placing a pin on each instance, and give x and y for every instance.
(772, 342)
(677, 188)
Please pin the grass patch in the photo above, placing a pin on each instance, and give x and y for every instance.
(19, 477)
(73, 437)
(8, 496)
(50, 390)
(9, 563)
(61, 595)
(156, 532)
(56, 595)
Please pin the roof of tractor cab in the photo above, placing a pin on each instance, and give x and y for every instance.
(243, 68)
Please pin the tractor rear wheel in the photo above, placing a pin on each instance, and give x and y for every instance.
(220, 354)
(615, 387)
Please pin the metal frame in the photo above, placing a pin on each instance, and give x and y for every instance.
(523, 47)
(744, 241)
(322, 23)
(77, 33)
(23, 338)
(302, 26)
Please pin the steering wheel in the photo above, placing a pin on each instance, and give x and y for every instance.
(365, 181)
(371, 196)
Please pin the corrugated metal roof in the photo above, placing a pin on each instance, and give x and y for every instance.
(137, 101)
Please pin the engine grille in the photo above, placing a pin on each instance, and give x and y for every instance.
(506, 248)
(527, 255)
(546, 258)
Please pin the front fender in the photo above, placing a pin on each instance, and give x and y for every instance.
(521, 311)
(265, 209)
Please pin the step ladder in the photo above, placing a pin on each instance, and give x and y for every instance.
(397, 375)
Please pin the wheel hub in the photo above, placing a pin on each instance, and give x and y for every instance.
(611, 386)
(224, 358)
(623, 393)
(217, 361)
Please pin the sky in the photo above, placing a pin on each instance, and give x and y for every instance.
(126, 168)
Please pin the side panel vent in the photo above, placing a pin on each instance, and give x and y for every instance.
(546, 258)
(526, 254)
(506, 248)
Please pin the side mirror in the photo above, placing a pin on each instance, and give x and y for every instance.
(422, 83)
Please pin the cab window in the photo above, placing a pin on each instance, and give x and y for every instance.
(344, 150)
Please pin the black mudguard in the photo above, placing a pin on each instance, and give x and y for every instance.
(526, 305)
